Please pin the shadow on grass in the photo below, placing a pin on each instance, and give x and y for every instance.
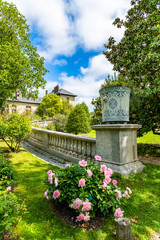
(149, 149)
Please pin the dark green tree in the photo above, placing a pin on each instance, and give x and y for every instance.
(21, 67)
(78, 121)
(137, 58)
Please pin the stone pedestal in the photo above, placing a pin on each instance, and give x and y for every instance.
(117, 145)
(123, 229)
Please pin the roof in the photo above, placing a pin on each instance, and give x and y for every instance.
(65, 92)
(25, 100)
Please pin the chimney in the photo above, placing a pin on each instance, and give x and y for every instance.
(56, 89)
(46, 92)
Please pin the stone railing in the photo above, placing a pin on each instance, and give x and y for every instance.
(43, 123)
(63, 145)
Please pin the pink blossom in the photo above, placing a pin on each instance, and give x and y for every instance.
(6, 177)
(103, 168)
(104, 185)
(118, 213)
(118, 194)
(49, 172)
(46, 194)
(86, 206)
(80, 217)
(67, 165)
(6, 215)
(83, 163)
(90, 173)
(7, 158)
(108, 172)
(129, 190)
(56, 182)
(114, 182)
(9, 188)
(107, 180)
(126, 194)
(87, 217)
(98, 158)
(82, 182)
(50, 178)
(77, 203)
(56, 194)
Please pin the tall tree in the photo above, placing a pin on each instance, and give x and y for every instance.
(137, 58)
(21, 67)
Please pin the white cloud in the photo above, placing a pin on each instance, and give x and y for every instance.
(61, 62)
(87, 85)
(49, 87)
(63, 25)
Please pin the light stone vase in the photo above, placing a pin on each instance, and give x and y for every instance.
(115, 104)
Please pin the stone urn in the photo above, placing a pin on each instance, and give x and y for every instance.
(115, 104)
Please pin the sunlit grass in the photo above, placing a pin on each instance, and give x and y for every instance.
(40, 222)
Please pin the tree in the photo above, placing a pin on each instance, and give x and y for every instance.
(50, 106)
(97, 111)
(78, 121)
(136, 56)
(13, 129)
(21, 67)
(66, 107)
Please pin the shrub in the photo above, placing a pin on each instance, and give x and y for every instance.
(78, 121)
(13, 129)
(60, 123)
(87, 187)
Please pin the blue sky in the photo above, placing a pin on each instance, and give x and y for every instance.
(71, 34)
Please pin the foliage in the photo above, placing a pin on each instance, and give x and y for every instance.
(78, 121)
(13, 129)
(116, 81)
(10, 206)
(96, 117)
(21, 67)
(86, 187)
(67, 107)
(50, 106)
(136, 58)
(60, 123)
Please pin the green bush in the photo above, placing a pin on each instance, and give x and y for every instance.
(87, 187)
(78, 121)
(60, 123)
(13, 129)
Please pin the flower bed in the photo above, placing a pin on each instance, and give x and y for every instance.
(87, 187)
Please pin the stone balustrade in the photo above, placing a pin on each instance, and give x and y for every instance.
(63, 145)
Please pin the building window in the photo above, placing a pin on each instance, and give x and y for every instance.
(28, 109)
(68, 98)
(14, 108)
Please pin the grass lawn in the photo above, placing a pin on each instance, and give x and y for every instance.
(40, 222)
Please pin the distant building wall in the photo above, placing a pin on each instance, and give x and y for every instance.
(20, 107)
(70, 98)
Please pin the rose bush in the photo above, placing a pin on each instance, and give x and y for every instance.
(87, 187)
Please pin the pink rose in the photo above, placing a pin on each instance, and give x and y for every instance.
(89, 173)
(5, 177)
(49, 172)
(107, 180)
(114, 182)
(50, 178)
(77, 203)
(83, 163)
(118, 213)
(118, 194)
(98, 158)
(67, 165)
(87, 217)
(56, 182)
(108, 172)
(129, 190)
(56, 194)
(80, 217)
(7, 158)
(46, 194)
(82, 182)
(6, 215)
(9, 188)
(86, 206)
(103, 168)
(104, 185)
